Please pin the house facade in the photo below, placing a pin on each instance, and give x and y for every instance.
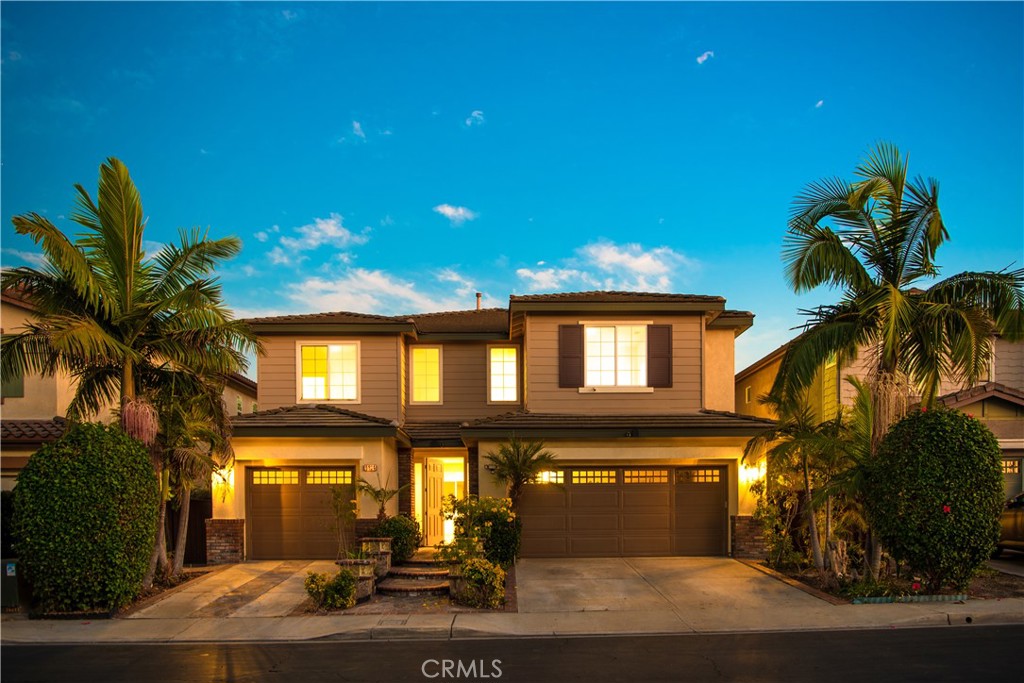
(632, 392)
(997, 399)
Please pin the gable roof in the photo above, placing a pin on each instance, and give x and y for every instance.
(616, 297)
(965, 397)
(314, 420)
(32, 432)
(479, 321)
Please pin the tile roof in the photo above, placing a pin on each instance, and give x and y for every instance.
(335, 317)
(32, 431)
(422, 433)
(707, 422)
(979, 392)
(617, 297)
(488, 320)
(306, 416)
(241, 382)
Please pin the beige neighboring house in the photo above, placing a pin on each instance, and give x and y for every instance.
(997, 399)
(633, 392)
(32, 407)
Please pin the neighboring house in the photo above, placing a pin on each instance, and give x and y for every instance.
(997, 399)
(32, 407)
(633, 393)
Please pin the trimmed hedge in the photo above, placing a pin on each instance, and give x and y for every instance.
(934, 494)
(85, 513)
(404, 533)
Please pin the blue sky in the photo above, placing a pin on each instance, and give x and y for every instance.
(396, 158)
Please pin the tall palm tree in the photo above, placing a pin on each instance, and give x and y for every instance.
(876, 239)
(516, 463)
(118, 321)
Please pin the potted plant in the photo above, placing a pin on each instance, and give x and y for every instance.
(379, 547)
(343, 505)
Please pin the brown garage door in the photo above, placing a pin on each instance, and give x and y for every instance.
(626, 511)
(289, 512)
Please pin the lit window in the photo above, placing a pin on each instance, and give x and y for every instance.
(426, 374)
(328, 477)
(238, 405)
(504, 374)
(645, 476)
(549, 477)
(701, 476)
(594, 476)
(616, 355)
(330, 372)
(1011, 467)
(275, 477)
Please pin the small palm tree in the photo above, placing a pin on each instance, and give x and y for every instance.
(517, 463)
(381, 494)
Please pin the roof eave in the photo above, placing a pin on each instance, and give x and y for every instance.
(616, 306)
(326, 328)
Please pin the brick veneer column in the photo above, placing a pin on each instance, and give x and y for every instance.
(225, 541)
(473, 460)
(747, 538)
(407, 498)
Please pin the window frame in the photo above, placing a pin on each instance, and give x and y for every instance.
(519, 383)
(643, 388)
(440, 374)
(300, 343)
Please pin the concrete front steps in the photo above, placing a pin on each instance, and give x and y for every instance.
(421, 575)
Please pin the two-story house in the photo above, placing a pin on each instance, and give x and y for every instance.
(632, 392)
(997, 400)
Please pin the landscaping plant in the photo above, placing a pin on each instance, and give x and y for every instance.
(489, 521)
(337, 592)
(85, 513)
(482, 584)
(404, 533)
(517, 463)
(934, 494)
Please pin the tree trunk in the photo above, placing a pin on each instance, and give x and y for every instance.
(182, 535)
(812, 522)
(158, 559)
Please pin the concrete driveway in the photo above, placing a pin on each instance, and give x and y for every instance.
(707, 593)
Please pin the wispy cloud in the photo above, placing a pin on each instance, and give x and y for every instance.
(30, 257)
(289, 15)
(705, 56)
(456, 214)
(464, 286)
(819, 104)
(324, 231)
(475, 118)
(357, 130)
(151, 249)
(279, 257)
(359, 289)
(264, 235)
(606, 265)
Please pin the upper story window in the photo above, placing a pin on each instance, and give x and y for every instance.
(503, 374)
(329, 372)
(615, 355)
(238, 405)
(425, 374)
(14, 387)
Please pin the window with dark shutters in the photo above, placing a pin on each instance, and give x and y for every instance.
(570, 356)
(659, 356)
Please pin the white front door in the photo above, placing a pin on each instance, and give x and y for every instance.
(434, 490)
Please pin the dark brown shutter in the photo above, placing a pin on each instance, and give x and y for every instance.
(659, 356)
(570, 356)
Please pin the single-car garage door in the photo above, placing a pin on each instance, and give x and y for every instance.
(290, 514)
(626, 511)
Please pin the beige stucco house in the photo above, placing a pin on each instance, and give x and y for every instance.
(633, 393)
(997, 399)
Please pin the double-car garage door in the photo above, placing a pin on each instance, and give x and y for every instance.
(290, 513)
(626, 511)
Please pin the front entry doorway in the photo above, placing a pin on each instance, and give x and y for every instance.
(436, 476)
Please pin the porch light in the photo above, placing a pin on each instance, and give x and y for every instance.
(223, 482)
(751, 473)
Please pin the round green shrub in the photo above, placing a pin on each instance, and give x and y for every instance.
(85, 513)
(934, 494)
(338, 592)
(481, 584)
(489, 520)
(404, 533)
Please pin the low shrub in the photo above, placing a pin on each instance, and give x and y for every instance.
(934, 493)
(338, 592)
(482, 585)
(489, 520)
(85, 514)
(404, 533)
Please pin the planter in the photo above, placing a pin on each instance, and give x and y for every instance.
(380, 550)
(908, 598)
(366, 586)
(360, 567)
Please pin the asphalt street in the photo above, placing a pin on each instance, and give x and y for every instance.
(928, 655)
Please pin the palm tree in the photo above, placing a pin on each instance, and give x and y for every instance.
(116, 320)
(517, 463)
(797, 442)
(381, 494)
(876, 239)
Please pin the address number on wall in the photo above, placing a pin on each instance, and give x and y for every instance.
(370, 468)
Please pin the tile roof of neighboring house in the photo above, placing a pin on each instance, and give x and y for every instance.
(241, 382)
(306, 416)
(982, 391)
(335, 317)
(491, 320)
(32, 432)
(705, 422)
(16, 297)
(616, 297)
(424, 433)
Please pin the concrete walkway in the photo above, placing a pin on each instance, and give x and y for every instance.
(248, 602)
